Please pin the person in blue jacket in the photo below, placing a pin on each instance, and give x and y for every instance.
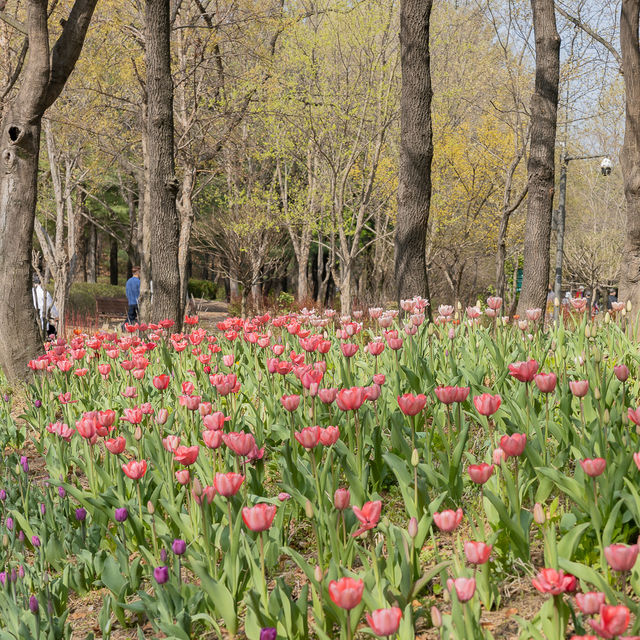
(132, 289)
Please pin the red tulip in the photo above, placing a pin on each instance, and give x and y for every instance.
(448, 520)
(634, 415)
(621, 557)
(449, 395)
(589, 603)
(349, 349)
(341, 499)
(372, 393)
(346, 592)
(579, 388)
(135, 469)
(350, 399)
(477, 552)
(593, 467)
(368, 516)
(622, 372)
(412, 405)
(290, 403)
(329, 435)
(161, 383)
(215, 421)
(327, 396)
(376, 348)
(554, 582)
(513, 446)
(385, 622)
(240, 443)
(613, 621)
(524, 371)
(309, 437)
(86, 427)
(228, 484)
(546, 382)
(480, 473)
(486, 404)
(182, 476)
(260, 517)
(134, 416)
(106, 418)
(116, 446)
(171, 443)
(464, 587)
(186, 455)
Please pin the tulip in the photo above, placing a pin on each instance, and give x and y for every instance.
(186, 455)
(309, 437)
(579, 388)
(448, 520)
(613, 621)
(554, 582)
(513, 446)
(34, 607)
(621, 557)
(341, 499)
(121, 514)
(480, 473)
(290, 403)
(449, 395)
(179, 547)
(622, 372)
(546, 382)
(498, 456)
(348, 349)
(494, 302)
(260, 517)
(182, 476)
(589, 603)
(268, 633)
(161, 574)
(477, 552)
(593, 467)
(215, 421)
(464, 587)
(171, 443)
(346, 593)
(240, 443)
(486, 404)
(329, 435)
(228, 484)
(523, 371)
(349, 399)
(634, 415)
(385, 622)
(636, 459)
(116, 445)
(135, 469)
(213, 439)
(327, 396)
(368, 516)
(412, 405)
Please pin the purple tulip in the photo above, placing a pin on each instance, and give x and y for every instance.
(268, 633)
(61, 492)
(9, 523)
(3, 495)
(37, 404)
(14, 575)
(35, 541)
(21, 571)
(43, 508)
(6, 397)
(34, 607)
(81, 514)
(179, 546)
(3, 578)
(121, 514)
(25, 463)
(21, 536)
(163, 555)
(161, 574)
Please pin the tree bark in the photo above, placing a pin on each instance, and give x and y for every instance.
(113, 261)
(416, 150)
(163, 186)
(45, 75)
(92, 253)
(630, 154)
(541, 165)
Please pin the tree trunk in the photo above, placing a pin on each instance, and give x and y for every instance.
(416, 150)
(113, 261)
(186, 223)
(630, 154)
(92, 255)
(45, 75)
(541, 165)
(163, 186)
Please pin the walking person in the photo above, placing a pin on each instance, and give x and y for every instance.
(45, 308)
(132, 290)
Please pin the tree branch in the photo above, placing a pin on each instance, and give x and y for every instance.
(12, 22)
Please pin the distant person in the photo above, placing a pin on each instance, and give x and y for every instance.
(611, 299)
(132, 289)
(45, 308)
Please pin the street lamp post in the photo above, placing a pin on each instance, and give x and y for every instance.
(605, 168)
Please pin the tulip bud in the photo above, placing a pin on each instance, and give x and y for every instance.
(624, 313)
(318, 574)
(606, 416)
(5, 540)
(196, 488)
(629, 306)
(150, 508)
(436, 617)
(596, 393)
(137, 434)
(538, 514)
(413, 528)
(431, 330)
(607, 318)
(556, 301)
(308, 509)
(597, 356)
(415, 458)
(554, 345)
(587, 332)
(459, 305)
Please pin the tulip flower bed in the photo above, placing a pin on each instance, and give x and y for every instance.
(316, 476)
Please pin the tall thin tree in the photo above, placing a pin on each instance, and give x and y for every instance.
(43, 79)
(541, 165)
(416, 150)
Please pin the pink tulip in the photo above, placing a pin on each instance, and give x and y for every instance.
(260, 517)
(524, 371)
(375, 348)
(621, 557)
(368, 516)
(634, 415)
(135, 469)
(349, 349)
(477, 552)
(182, 476)
(448, 520)
(215, 421)
(186, 455)
(514, 445)
(346, 593)
(213, 439)
(622, 372)
(589, 603)
(240, 443)
(612, 622)
(412, 405)
(327, 396)
(464, 588)
(480, 473)
(309, 437)
(329, 435)
(341, 499)
(350, 399)
(579, 388)
(554, 582)
(449, 395)
(636, 459)
(385, 622)
(498, 456)
(171, 443)
(494, 302)
(290, 403)
(228, 484)
(546, 382)
(593, 467)
(486, 404)
(116, 446)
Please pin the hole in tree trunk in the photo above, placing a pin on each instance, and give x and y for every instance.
(14, 133)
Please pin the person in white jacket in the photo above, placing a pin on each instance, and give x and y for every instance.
(45, 308)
